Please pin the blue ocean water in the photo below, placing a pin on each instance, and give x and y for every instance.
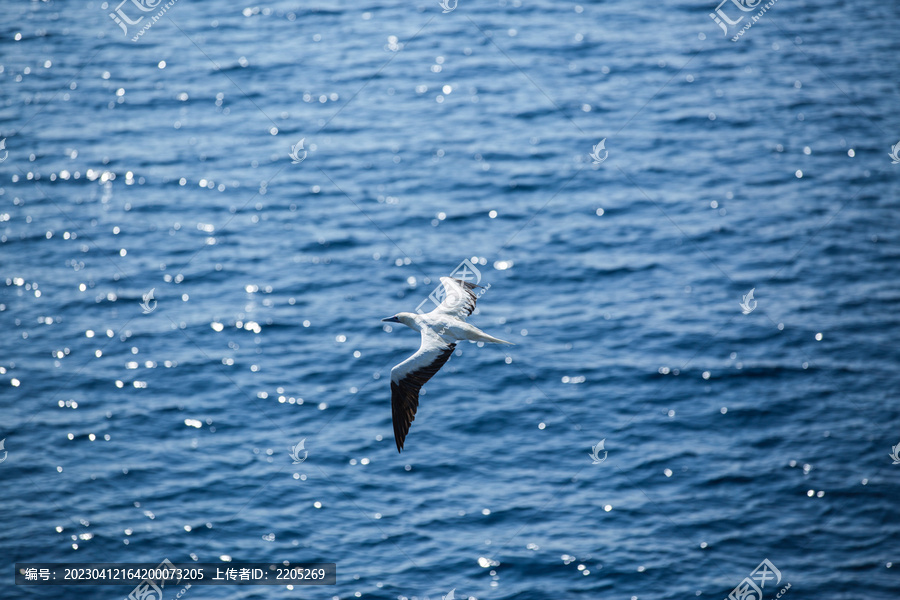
(431, 137)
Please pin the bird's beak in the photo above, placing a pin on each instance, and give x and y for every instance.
(392, 320)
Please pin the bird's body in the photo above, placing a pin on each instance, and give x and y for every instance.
(440, 330)
(449, 329)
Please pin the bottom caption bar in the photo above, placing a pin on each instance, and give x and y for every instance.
(166, 574)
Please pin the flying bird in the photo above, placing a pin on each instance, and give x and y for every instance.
(440, 329)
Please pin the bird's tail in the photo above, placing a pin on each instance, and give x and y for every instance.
(491, 339)
(470, 332)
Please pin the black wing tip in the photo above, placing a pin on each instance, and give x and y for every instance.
(466, 284)
(402, 420)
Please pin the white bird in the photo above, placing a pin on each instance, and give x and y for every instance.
(441, 329)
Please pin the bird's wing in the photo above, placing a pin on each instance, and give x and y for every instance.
(459, 301)
(408, 377)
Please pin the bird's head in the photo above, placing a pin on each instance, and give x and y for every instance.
(401, 317)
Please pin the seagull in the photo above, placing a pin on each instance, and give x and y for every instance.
(441, 329)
